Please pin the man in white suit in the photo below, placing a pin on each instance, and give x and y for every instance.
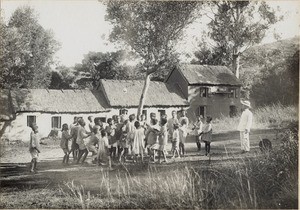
(245, 126)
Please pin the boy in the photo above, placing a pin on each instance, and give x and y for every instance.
(34, 147)
(103, 150)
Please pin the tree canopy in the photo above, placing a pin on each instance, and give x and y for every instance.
(234, 27)
(151, 29)
(27, 51)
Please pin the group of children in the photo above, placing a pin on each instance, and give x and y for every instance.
(125, 137)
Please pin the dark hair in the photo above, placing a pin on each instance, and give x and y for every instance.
(75, 118)
(64, 127)
(183, 122)
(103, 133)
(137, 124)
(163, 121)
(90, 118)
(96, 128)
(131, 117)
(209, 118)
(109, 120)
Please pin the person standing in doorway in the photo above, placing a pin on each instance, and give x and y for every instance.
(245, 126)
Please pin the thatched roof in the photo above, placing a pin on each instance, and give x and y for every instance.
(6, 109)
(58, 101)
(126, 93)
(206, 74)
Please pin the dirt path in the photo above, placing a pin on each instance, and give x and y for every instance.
(14, 166)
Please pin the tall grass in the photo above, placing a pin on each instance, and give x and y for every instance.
(266, 181)
(273, 116)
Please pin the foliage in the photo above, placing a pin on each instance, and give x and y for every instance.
(235, 26)
(62, 78)
(109, 65)
(150, 28)
(280, 73)
(27, 51)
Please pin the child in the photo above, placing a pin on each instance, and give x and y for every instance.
(171, 122)
(103, 150)
(64, 142)
(82, 134)
(34, 147)
(130, 131)
(163, 140)
(123, 146)
(93, 141)
(175, 141)
(74, 131)
(138, 141)
(207, 134)
(152, 139)
(182, 136)
(198, 130)
(111, 130)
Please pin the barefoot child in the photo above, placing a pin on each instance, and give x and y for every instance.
(138, 141)
(182, 136)
(34, 147)
(82, 134)
(207, 135)
(198, 130)
(93, 141)
(64, 142)
(163, 140)
(103, 150)
(175, 141)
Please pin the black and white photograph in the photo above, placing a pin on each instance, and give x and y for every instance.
(144, 104)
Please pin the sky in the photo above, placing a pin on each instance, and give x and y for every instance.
(80, 26)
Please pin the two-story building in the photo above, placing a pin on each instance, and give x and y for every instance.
(210, 90)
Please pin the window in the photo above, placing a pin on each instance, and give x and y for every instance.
(56, 122)
(161, 112)
(203, 92)
(231, 93)
(144, 112)
(201, 111)
(31, 119)
(232, 111)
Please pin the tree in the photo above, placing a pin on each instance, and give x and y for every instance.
(62, 78)
(151, 29)
(27, 51)
(99, 65)
(237, 25)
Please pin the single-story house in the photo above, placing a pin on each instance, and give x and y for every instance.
(49, 109)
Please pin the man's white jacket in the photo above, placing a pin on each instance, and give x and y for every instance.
(246, 120)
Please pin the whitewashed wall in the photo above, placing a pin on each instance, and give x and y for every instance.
(18, 129)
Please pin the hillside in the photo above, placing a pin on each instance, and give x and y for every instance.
(275, 52)
(271, 72)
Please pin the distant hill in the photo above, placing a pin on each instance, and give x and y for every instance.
(271, 72)
(275, 52)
